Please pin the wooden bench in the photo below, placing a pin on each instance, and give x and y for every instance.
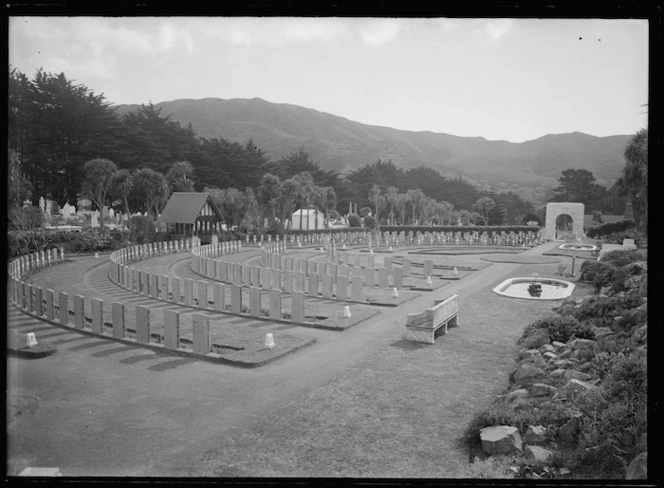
(426, 326)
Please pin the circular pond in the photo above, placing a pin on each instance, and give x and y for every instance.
(578, 247)
(535, 289)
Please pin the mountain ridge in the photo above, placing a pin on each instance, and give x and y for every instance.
(528, 168)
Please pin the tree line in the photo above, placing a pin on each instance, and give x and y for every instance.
(57, 129)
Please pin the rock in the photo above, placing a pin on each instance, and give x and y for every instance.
(526, 370)
(533, 356)
(550, 356)
(638, 468)
(535, 434)
(569, 430)
(602, 332)
(513, 395)
(583, 344)
(557, 373)
(577, 375)
(574, 386)
(527, 354)
(565, 353)
(542, 389)
(561, 363)
(557, 345)
(587, 366)
(538, 453)
(546, 348)
(500, 439)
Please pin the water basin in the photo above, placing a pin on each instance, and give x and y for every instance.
(578, 247)
(535, 289)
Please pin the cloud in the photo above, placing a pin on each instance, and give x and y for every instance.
(272, 31)
(493, 30)
(377, 32)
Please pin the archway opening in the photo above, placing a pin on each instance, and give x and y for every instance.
(564, 226)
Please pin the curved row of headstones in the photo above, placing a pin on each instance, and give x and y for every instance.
(53, 306)
(198, 293)
(342, 278)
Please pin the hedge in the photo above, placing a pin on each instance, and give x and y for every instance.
(610, 228)
(422, 229)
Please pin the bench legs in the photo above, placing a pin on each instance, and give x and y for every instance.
(428, 335)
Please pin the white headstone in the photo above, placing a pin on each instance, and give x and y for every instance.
(347, 312)
(94, 220)
(111, 213)
(42, 203)
(269, 340)
(31, 339)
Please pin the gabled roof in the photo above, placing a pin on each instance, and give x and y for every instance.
(184, 207)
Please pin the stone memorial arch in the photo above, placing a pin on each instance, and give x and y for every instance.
(556, 209)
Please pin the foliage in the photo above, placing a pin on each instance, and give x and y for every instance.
(560, 328)
(635, 177)
(88, 240)
(142, 229)
(364, 211)
(98, 182)
(56, 126)
(620, 257)
(154, 187)
(19, 187)
(614, 417)
(370, 222)
(354, 220)
(609, 227)
(232, 204)
(26, 218)
(179, 177)
(578, 185)
(483, 206)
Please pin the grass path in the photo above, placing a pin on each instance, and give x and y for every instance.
(400, 411)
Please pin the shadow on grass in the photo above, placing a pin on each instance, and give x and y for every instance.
(409, 345)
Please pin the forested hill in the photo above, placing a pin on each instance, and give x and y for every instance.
(340, 145)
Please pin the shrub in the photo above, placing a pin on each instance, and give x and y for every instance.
(590, 268)
(370, 222)
(609, 228)
(621, 258)
(614, 417)
(364, 211)
(354, 220)
(141, 229)
(561, 328)
(534, 337)
(26, 218)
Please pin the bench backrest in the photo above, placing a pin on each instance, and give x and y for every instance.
(436, 315)
(628, 242)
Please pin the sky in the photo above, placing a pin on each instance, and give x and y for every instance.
(497, 78)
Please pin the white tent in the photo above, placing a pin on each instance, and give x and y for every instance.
(305, 219)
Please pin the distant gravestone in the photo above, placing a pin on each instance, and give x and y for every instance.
(94, 220)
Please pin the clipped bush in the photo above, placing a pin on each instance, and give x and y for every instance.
(370, 222)
(364, 211)
(354, 220)
(610, 228)
(590, 268)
